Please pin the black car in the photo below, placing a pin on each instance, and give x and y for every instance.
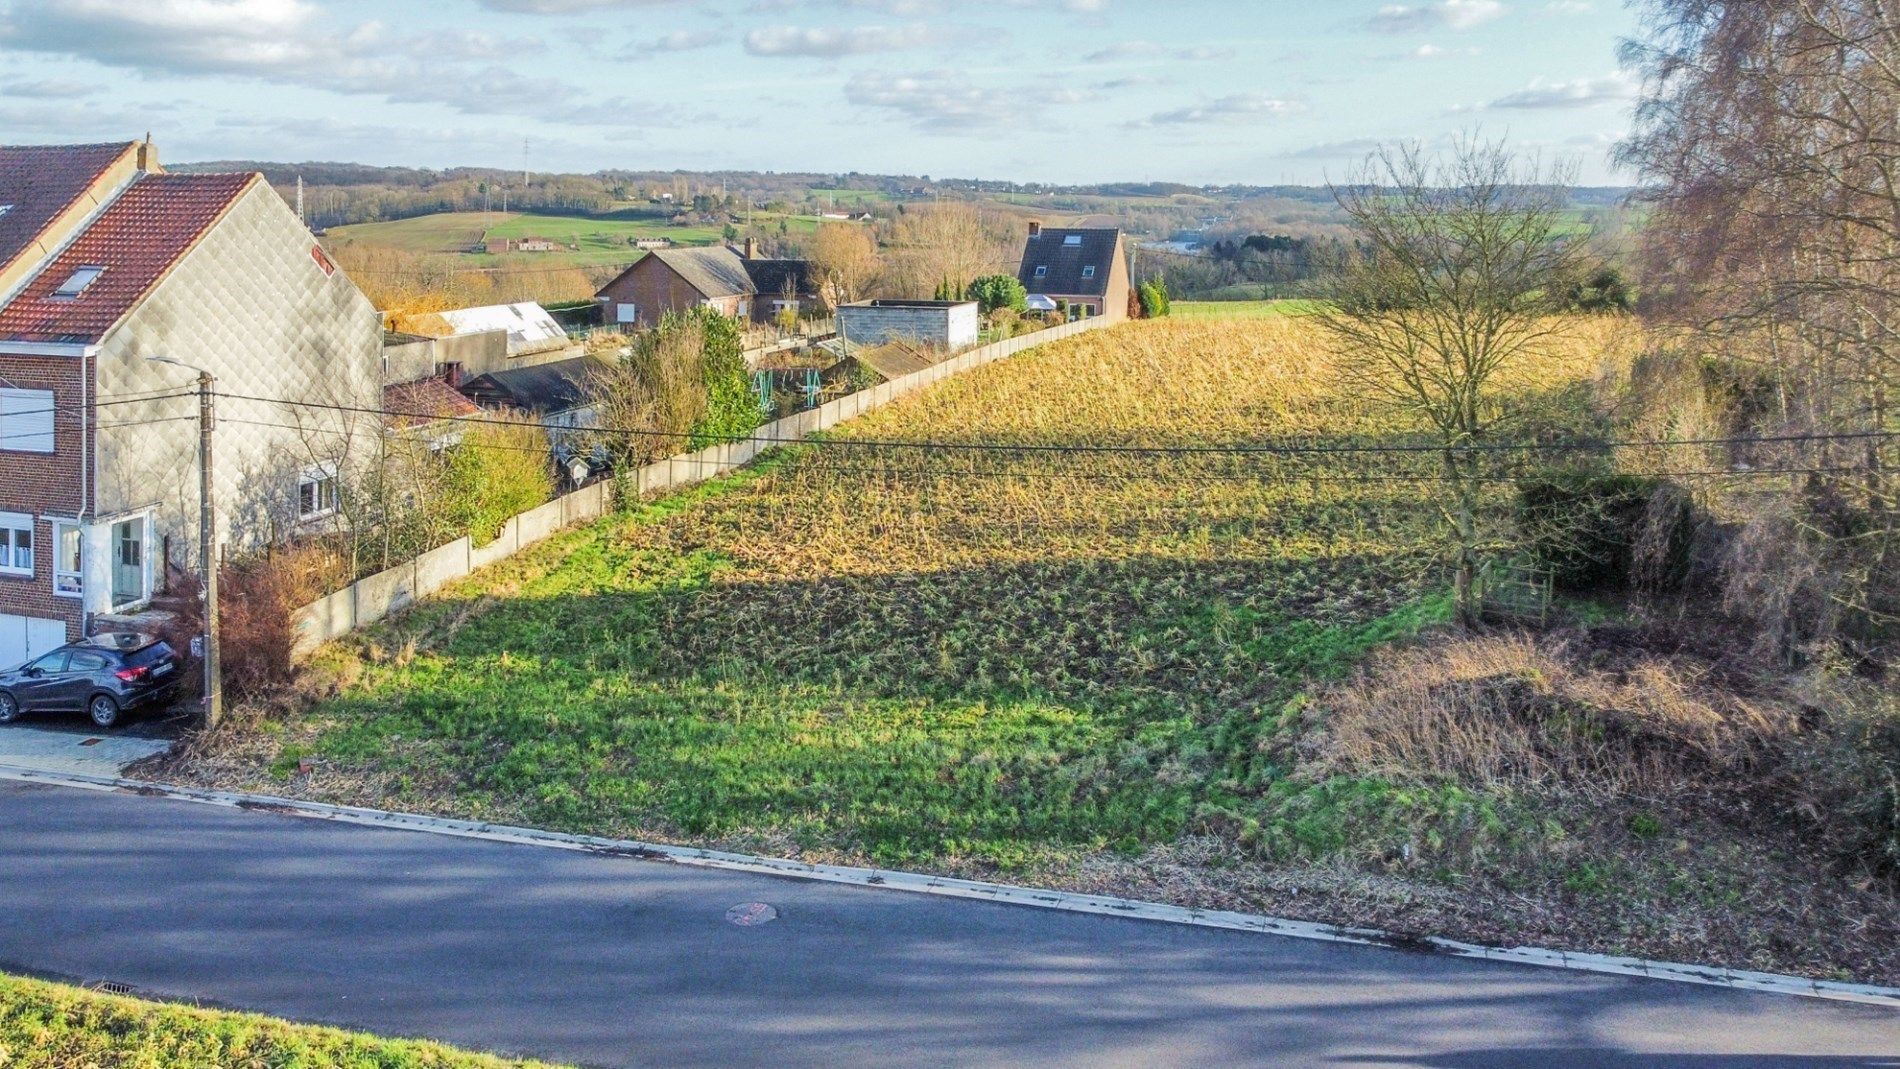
(103, 677)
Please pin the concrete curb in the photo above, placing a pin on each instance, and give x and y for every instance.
(944, 886)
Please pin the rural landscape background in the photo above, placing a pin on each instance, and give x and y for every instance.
(1484, 542)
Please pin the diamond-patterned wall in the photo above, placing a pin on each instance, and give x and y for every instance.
(253, 307)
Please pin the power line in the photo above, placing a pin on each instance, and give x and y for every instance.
(1580, 446)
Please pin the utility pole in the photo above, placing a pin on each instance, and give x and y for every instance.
(207, 539)
(207, 552)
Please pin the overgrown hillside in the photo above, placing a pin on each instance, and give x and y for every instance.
(1092, 617)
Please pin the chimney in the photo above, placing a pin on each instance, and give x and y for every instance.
(148, 156)
(1035, 228)
(752, 248)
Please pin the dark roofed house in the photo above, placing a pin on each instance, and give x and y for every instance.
(559, 394)
(1087, 268)
(744, 286)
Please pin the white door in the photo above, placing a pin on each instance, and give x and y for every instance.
(23, 638)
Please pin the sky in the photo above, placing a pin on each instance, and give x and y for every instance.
(1065, 91)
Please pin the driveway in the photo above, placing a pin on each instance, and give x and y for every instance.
(617, 962)
(57, 743)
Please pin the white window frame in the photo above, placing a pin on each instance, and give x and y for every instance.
(626, 312)
(1042, 271)
(26, 421)
(319, 476)
(68, 583)
(1088, 272)
(1073, 241)
(11, 524)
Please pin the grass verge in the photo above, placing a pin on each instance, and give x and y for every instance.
(53, 1026)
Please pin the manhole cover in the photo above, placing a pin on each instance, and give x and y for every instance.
(752, 914)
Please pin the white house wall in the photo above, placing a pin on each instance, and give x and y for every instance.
(250, 305)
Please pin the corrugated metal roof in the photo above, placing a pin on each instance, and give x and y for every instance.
(530, 327)
(134, 242)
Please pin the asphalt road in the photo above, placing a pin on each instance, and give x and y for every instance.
(607, 961)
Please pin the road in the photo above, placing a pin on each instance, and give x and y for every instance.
(608, 961)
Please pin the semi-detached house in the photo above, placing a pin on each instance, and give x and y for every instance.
(107, 262)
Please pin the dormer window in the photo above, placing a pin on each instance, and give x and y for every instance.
(1073, 241)
(77, 284)
(1088, 272)
(4, 209)
(1042, 271)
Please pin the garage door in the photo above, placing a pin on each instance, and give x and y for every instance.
(25, 637)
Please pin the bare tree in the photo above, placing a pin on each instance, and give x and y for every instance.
(953, 242)
(844, 262)
(1459, 265)
(647, 402)
(1769, 138)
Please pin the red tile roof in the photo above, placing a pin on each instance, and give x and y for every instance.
(414, 404)
(38, 182)
(138, 238)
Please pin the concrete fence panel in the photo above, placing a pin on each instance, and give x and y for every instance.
(505, 545)
(324, 620)
(539, 523)
(441, 566)
(385, 592)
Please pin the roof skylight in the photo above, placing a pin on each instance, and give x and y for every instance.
(77, 284)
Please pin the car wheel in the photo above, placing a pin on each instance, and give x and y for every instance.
(9, 708)
(103, 710)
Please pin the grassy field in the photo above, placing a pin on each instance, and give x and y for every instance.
(600, 240)
(1104, 670)
(903, 655)
(52, 1026)
(1241, 309)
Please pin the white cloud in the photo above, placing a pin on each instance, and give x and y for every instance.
(936, 101)
(830, 42)
(287, 42)
(1234, 110)
(1543, 95)
(1441, 15)
(684, 41)
(1129, 50)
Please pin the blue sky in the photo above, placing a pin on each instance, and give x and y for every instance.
(1200, 91)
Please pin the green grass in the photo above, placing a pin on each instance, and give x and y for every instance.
(600, 240)
(1242, 309)
(53, 1026)
(915, 669)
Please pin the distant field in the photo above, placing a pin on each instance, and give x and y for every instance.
(601, 240)
(1242, 309)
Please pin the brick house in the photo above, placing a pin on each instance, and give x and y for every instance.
(106, 262)
(1087, 268)
(741, 285)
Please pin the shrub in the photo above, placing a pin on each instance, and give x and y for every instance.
(1154, 298)
(1510, 711)
(1585, 527)
(256, 598)
(499, 470)
(998, 293)
(732, 408)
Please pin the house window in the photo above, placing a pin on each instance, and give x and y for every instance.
(77, 282)
(1042, 270)
(626, 312)
(16, 544)
(1088, 272)
(1073, 241)
(26, 421)
(68, 559)
(4, 209)
(318, 492)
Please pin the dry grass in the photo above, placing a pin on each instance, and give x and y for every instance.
(1524, 712)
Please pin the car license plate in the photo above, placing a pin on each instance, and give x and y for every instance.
(163, 669)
